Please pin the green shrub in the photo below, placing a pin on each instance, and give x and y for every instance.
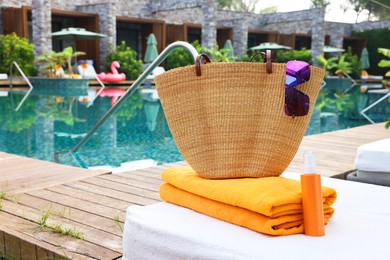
(376, 38)
(354, 62)
(255, 56)
(181, 57)
(127, 60)
(15, 48)
(285, 56)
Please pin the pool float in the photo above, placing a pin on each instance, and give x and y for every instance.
(114, 93)
(114, 76)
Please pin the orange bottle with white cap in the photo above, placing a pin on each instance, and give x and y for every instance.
(313, 213)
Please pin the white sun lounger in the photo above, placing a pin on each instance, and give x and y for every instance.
(373, 163)
(359, 229)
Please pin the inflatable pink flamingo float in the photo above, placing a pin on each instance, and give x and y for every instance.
(114, 93)
(114, 76)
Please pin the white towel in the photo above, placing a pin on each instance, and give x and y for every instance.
(374, 157)
(146, 238)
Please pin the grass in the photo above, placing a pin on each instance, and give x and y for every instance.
(58, 228)
(4, 257)
(118, 222)
(42, 222)
(64, 213)
(3, 195)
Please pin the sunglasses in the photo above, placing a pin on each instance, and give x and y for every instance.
(296, 103)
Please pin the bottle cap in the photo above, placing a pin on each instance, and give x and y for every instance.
(309, 159)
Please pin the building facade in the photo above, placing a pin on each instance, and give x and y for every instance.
(172, 20)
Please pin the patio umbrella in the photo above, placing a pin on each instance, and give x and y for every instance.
(332, 49)
(364, 59)
(151, 49)
(151, 111)
(228, 45)
(270, 46)
(72, 33)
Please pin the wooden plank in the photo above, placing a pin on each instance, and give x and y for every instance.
(76, 215)
(130, 198)
(76, 203)
(336, 151)
(21, 174)
(120, 179)
(12, 248)
(91, 234)
(42, 253)
(132, 189)
(27, 250)
(99, 199)
(2, 243)
(54, 242)
(140, 176)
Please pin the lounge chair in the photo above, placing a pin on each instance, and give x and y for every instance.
(373, 163)
(155, 72)
(86, 70)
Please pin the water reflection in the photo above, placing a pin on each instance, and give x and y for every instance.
(336, 110)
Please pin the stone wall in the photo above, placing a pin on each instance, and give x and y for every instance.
(41, 24)
(209, 31)
(287, 23)
(14, 3)
(336, 32)
(317, 34)
(172, 5)
(188, 15)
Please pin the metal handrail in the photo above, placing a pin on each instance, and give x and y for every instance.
(98, 93)
(25, 78)
(363, 112)
(160, 58)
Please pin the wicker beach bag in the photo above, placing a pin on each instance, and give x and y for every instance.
(229, 121)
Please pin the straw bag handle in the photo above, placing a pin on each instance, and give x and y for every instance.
(203, 59)
(267, 57)
(200, 59)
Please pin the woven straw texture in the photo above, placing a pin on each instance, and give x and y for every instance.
(230, 122)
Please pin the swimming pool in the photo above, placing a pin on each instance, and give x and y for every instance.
(48, 125)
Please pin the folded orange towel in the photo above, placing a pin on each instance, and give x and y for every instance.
(280, 226)
(275, 201)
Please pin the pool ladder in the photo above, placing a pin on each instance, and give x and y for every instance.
(141, 79)
(15, 64)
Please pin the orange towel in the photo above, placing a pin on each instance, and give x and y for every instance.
(269, 205)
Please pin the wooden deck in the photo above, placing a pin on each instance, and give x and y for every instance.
(94, 202)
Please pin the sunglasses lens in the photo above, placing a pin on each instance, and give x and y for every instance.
(296, 103)
(299, 70)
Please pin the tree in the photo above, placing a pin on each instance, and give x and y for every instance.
(225, 4)
(269, 10)
(238, 5)
(319, 3)
(378, 8)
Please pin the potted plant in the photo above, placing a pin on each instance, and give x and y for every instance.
(53, 75)
(385, 64)
(336, 72)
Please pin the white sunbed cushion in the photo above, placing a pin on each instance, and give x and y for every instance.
(374, 156)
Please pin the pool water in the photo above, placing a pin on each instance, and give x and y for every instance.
(47, 126)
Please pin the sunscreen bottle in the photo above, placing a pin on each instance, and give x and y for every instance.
(313, 213)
